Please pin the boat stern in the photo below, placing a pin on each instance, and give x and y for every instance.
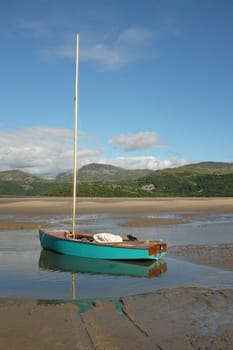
(157, 250)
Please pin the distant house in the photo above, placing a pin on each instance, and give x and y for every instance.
(148, 188)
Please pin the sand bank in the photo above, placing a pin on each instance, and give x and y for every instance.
(45, 208)
(114, 205)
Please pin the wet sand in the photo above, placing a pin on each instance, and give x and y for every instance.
(215, 255)
(175, 318)
(190, 208)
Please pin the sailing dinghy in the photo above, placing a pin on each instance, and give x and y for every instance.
(96, 246)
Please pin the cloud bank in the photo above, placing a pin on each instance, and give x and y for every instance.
(39, 149)
(148, 162)
(43, 150)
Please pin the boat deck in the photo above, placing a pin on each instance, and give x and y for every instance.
(138, 244)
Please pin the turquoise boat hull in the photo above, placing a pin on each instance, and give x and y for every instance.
(57, 241)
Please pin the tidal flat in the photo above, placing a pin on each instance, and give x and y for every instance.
(184, 302)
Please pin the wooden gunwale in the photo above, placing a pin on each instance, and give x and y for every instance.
(157, 245)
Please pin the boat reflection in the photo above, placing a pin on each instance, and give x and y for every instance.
(57, 262)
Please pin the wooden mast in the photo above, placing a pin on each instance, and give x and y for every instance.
(75, 137)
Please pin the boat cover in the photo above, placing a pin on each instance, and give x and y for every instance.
(107, 237)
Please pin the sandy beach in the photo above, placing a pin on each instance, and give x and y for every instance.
(51, 205)
(174, 318)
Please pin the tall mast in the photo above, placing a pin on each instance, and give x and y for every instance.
(75, 137)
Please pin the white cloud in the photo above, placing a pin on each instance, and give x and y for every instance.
(109, 57)
(129, 45)
(149, 162)
(39, 149)
(134, 142)
(111, 54)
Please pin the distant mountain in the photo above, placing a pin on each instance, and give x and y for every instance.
(218, 168)
(19, 183)
(48, 176)
(17, 175)
(104, 173)
(102, 180)
(65, 175)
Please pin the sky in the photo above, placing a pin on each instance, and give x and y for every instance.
(155, 83)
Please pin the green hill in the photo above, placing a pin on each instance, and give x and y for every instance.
(202, 179)
(219, 168)
(100, 180)
(19, 183)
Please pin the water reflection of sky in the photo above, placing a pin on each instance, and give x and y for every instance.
(21, 275)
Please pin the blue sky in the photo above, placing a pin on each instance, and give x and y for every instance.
(155, 83)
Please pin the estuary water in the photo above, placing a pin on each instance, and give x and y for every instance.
(27, 271)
